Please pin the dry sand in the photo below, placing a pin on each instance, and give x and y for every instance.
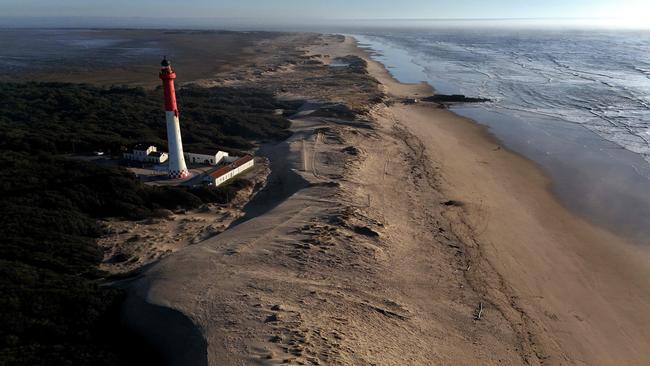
(399, 229)
(130, 245)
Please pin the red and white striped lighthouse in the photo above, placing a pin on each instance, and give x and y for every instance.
(177, 167)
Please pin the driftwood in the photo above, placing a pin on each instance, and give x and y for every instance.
(479, 311)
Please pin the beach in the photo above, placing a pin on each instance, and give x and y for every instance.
(567, 275)
(406, 235)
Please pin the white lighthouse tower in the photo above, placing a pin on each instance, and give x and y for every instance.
(177, 167)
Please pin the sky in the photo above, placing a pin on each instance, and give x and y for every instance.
(623, 12)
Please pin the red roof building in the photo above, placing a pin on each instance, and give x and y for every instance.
(229, 171)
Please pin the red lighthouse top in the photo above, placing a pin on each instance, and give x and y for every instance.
(168, 75)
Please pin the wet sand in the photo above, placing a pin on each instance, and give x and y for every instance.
(122, 56)
(594, 178)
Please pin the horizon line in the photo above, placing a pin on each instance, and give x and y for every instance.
(333, 19)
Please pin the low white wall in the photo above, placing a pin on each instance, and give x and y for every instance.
(145, 158)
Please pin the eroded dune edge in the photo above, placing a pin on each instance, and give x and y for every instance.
(403, 235)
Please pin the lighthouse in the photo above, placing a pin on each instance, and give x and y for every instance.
(177, 167)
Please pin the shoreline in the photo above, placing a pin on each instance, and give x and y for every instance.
(573, 280)
(572, 156)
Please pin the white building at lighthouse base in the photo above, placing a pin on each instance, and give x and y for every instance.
(146, 154)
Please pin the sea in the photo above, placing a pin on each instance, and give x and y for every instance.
(574, 101)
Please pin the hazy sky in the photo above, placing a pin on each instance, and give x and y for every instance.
(626, 10)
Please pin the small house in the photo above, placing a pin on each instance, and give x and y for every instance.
(146, 154)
